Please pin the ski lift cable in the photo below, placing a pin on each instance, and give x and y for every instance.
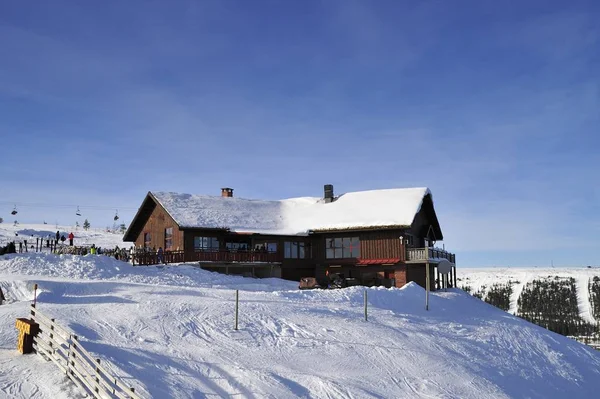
(42, 205)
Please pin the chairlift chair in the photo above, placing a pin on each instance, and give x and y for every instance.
(116, 215)
(14, 211)
(78, 213)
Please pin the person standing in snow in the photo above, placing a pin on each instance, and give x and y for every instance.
(160, 255)
(57, 236)
(71, 237)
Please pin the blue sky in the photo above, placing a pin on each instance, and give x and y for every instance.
(493, 105)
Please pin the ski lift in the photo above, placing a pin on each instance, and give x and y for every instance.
(116, 215)
(14, 211)
(78, 213)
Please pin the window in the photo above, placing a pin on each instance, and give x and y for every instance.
(265, 246)
(168, 239)
(206, 244)
(147, 240)
(340, 248)
(294, 250)
(236, 246)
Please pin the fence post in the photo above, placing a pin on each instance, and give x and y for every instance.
(69, 355)
(73, 354)
(97, 387)
(366, 305)
(51, 334)
(237, 301)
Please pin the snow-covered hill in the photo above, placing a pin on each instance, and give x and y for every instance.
(482, 279)
(171, 331)
(100, 237)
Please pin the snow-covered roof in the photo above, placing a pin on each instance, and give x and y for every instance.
(362, 209)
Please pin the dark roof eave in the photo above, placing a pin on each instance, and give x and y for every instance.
(360, 228)
(204, 228)
(129, 232)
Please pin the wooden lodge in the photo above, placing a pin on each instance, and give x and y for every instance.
(379, 237)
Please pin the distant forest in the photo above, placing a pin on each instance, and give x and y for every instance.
(549, 302)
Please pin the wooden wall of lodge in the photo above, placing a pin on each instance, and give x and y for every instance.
(373, 244)
(156, 224)
(379, 244)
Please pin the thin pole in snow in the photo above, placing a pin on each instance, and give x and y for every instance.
(427, 278)
(237, 302)
(366, 319)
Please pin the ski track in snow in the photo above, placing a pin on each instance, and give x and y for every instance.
(583, 298)
(478, 277)
(169, 331)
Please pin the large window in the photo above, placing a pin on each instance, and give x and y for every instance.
(168, 239)
(147, 240)
(294, 250)
(206, 244)
(340, 248)
(265, 246)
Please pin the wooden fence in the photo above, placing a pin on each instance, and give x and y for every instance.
(64, 349)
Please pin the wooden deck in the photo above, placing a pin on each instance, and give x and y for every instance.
(431, 255)
(413, 255)
(216, 257)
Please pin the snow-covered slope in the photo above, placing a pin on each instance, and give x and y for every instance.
(171, 331)
(481, 279)
(10, 232)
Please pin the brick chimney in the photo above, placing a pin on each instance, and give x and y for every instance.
(328, 193)
(227, 192)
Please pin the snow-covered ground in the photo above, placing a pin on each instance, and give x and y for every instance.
(477, 278)
(100, 237)
(169, 332)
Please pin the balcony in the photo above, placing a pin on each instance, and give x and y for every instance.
(233, 257)
(431, 255)
(216, 257)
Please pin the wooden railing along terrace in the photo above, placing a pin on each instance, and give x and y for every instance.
(63, 348)
(207, 256)
(420, 254)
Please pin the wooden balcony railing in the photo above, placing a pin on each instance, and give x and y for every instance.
(147, 258)
(234, 257)
(152, 258)
(420, 254)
